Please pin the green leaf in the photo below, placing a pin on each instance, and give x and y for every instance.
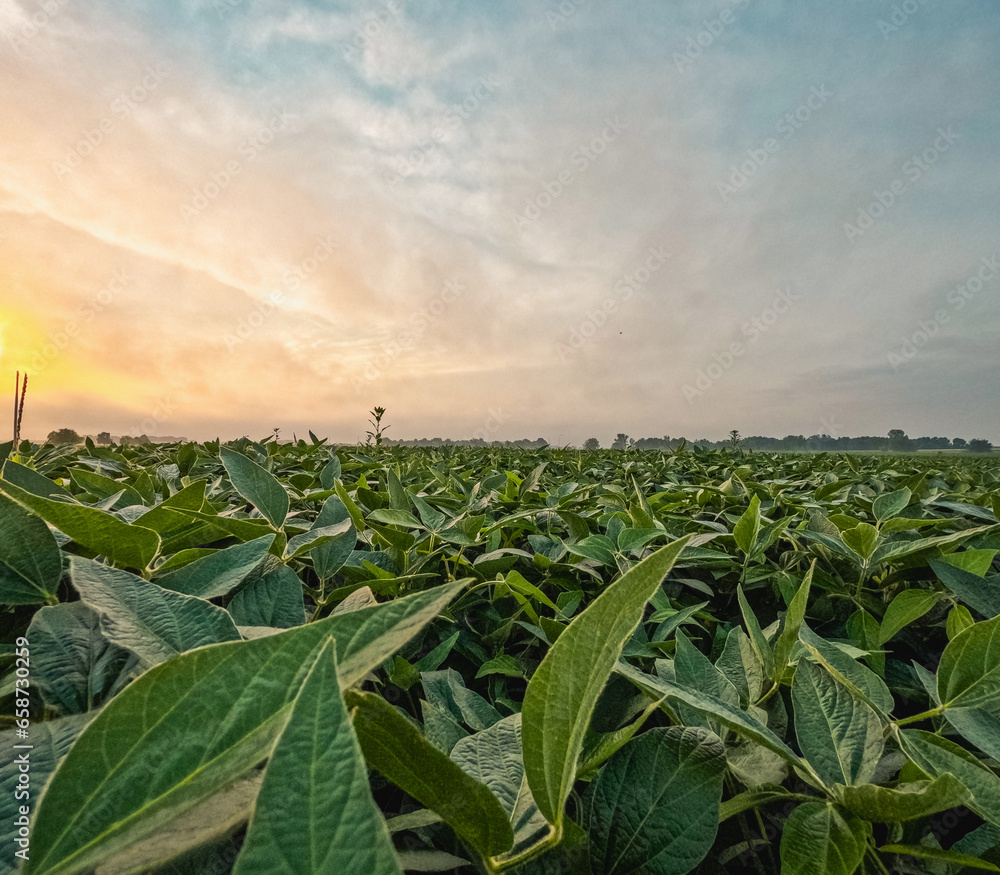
(275, 599)
(839, 735)
(155, 623)
(959, 619)
(968, 684)
(598, 547)
(317, 537)
(516, 581)
(73, 666)
(189, 726)
(432, 518)
(245, 530)
(504, 664)
(757, 639)
(330, 557)
(938, 756)
(32, 481)
(446, 688)
(493, 757)
(694, 670)
(395, 747)
(887, 506)
(819, 838)
(740, 664)
(531, 481)
(861, 681)
(655, 805)
(123, 544)
(633, 539)
(976, 562)
(563, 692)
(794, 616)
(439, 654)
(907, 606)
(747, 527)
(907, 801)
(982, 595)
(256, 485)
(315, 811)
(30, 561)
(392, 517)
(953, 858)
(219, 573)
(741, 722)
(862, 539)
(199, 836)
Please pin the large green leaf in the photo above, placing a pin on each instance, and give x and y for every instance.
(73, 666)
(123, 544)
(328, 558)
(969, 671)
(820, 838)
(857, 678)
(862, 539)
(315, 811)
(563, 692)
(739, 663)
(968, 684)
(153, 622)
(938, 756)
(187, 727)
(396, 747)
(315, 538)
(654, 808)
(909, 605)
(275, 599)
(30, 561)
(493, 757)
(219, 573)
(892, 504)
(840, 735)
(794, 617)
(447, 689)
(907, 801)
(261, 488)
(32, 481)
(741, 722)
(747, 526)
(694, 670)
(756, 634)
(980, 594)
(942, 857)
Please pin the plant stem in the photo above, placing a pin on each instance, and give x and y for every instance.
(926, 715)
(497, 864)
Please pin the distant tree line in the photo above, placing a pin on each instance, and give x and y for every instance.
(523, 443)
(896, 441)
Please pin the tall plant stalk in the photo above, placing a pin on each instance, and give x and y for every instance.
(20, 390)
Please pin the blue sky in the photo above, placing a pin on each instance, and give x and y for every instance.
(507, 220)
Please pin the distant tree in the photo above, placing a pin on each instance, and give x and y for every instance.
(980, 446)
(622, 442)
(734, 439)
(958, 443)
(63, 436)
(104, 438)
(591, 444)
(898, 441)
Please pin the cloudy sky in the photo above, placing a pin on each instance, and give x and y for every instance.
(524, 219)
